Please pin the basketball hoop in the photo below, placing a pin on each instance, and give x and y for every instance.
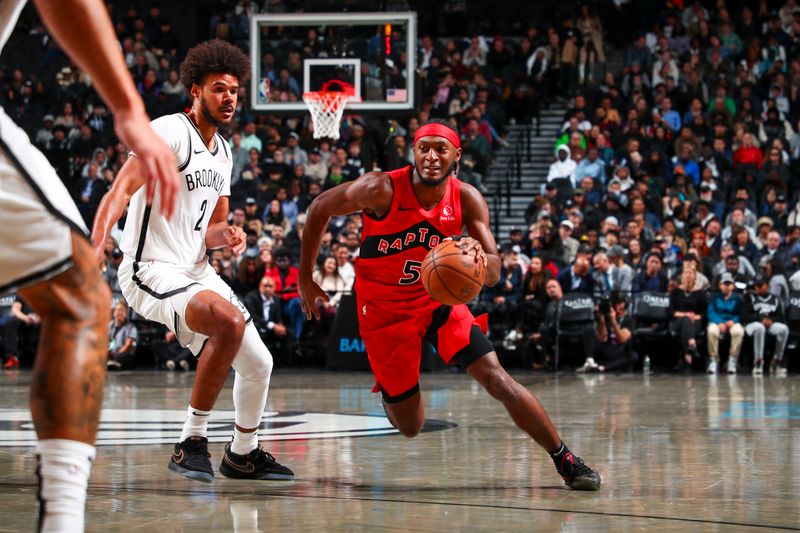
(326, 109)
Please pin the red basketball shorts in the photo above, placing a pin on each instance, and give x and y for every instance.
(393, 340)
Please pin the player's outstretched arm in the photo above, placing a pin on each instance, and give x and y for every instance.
(371, 192)
(129, 180)
(83, 29)
(475, 214)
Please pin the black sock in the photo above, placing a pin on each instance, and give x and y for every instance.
(558, 455)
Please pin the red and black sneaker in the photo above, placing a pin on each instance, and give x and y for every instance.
(576, 474)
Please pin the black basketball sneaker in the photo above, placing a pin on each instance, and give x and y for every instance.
(576, 474)
(258, 464)
(191, 459)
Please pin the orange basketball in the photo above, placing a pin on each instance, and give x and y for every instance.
(450, 276)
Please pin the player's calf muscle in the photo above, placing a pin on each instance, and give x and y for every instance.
(67, 387)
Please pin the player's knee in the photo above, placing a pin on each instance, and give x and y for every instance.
(253, 362)
(231, 322)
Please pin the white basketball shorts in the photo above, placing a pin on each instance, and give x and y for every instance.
(37, 213)
(160, 292)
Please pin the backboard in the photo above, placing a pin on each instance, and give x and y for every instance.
(374, 53)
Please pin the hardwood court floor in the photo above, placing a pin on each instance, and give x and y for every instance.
(676, 453)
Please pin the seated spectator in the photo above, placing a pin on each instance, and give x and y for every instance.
(562, 170)
(502, 300)
(691, 261)
(775, 251)
(733, 267)
(748, 156)
(274, 217)
(577, 277)
(635, 258)
(250, 140)
(248, 275)
(651, 278)
(295, 155)
(542, 343)
(569, 245)
(534, 295)
(267, 313)
(621, 274)
(773, 271)
(687, 307)
(601, 275)
(285, 276)
(738, 266)
(742, 245)
(316, 169)
(763, 314)
(724, 316)
(123, 338)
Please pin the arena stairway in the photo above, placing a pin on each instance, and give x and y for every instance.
(519, 170)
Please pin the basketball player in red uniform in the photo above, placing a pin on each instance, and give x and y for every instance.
(406, 213)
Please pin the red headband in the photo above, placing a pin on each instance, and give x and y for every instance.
(438, 130)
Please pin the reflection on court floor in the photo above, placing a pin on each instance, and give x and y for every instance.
(676, 453)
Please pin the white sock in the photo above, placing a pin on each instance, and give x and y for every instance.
(196, 423)
(64, 467)
(245, 517)
(244, 443)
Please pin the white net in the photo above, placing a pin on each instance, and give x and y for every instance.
(326, 112)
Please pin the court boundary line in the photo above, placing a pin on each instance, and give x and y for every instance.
(234, 494)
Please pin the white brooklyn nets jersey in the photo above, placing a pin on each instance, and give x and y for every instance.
(205, 176)
(9, 13)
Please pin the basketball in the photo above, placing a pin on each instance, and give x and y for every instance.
(450, 276)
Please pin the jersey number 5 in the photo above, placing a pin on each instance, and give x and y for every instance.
(198, 226)
(411, 270)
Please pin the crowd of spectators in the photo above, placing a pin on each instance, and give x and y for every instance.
(679, 168)
(676, 175)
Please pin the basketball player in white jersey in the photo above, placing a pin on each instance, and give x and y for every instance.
(165, 275)
(45, 255)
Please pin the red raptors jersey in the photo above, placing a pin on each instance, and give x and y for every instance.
(393, 246)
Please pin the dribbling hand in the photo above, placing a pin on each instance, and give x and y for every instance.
(156, 158)
(310, 293)
(468, 244)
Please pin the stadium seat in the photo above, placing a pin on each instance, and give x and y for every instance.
(575, 313)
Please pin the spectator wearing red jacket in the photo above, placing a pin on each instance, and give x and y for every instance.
(285, 276)
(748, 153)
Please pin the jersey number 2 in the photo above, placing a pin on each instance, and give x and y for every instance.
(197, 227)
(411, 270)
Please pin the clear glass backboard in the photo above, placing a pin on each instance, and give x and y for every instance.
(373, 54)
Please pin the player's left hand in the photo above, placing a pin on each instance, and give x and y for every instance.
(235, 239)
(468, 245)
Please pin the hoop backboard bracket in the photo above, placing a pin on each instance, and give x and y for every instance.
(375, 52)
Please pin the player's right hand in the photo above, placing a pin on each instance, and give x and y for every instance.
(236, 239)
(310, 293)
(157, 159)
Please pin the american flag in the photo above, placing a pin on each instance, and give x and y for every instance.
(396, 95)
